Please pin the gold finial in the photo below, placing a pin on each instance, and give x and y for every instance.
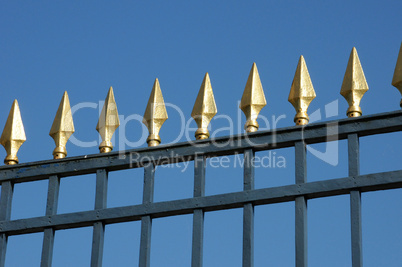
(253, 100)
(301, 92)
(62, 127)
(108, 122)
(354, 85)
(13, 135)
(204, 108)
(155, 114)
(397, 80)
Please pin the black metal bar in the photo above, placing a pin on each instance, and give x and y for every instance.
(249, 183)
(300, 163)
(356, 228)
(355, 202)
(101, 189)
(166, 154)
(353, 155)
(198, 215)
(98, 236)
(333, 187)
(7, 189)
(97, 244)
(199, 176)
(51, 209)
(301, 206)
(146, 220)
(47, 247)
(248, 211)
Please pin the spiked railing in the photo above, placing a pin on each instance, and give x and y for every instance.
(155, 114)
(108, 122)
(253, 100)
(354, 85)
(204, 108)
(301, 94)
(13, 135)
(62, 128)
(299, 193)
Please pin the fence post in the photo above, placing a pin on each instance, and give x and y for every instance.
(51, 209)
(5, 214)
(146, 221)
(301, 206)
(98, 236)
(355, 202)
(198, 215)
(248, 211)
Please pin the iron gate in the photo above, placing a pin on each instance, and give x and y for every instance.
(300, 192)
(302, 93)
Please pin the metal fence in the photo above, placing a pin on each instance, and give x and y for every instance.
(299, 192)
(253, 100)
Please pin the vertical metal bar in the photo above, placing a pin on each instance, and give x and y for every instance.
(146, 221)
(248, 211)
(301, 206)
(353, 155)
(51, 209)
(97, 244)
(198, 216)
(355, 202)
(7, 189)
(5, 214)
(99, 227)
(356, 228)
(101, 189)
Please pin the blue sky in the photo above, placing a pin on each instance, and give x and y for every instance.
(84, 47)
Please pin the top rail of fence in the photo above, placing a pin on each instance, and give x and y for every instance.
(220, 146)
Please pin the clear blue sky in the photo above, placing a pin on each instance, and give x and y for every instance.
(85, 47)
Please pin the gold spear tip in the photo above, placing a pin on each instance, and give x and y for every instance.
(62, 127)
(204, 108)
(108, 122)
(301, 92)
(253, 99)
(397, 79)
(155, 114)
(354, 85)
(13, 135)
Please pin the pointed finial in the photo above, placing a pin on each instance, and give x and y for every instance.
(397, 80)
(253, 100)
(204, 108)
(354, 85)
(62, 127)
(301, 92)
(108, 122)
(13, 135)
(155, 114)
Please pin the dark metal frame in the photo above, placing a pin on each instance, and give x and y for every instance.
(297, 136)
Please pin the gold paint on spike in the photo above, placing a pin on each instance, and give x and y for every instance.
(108, 122)
(62, 127)
(354, 85)
(13, 135)
(397, 79)
(253, 100)
(301, 92)
(204, 108)
(155, 114)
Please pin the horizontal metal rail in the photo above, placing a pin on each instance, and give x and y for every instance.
(363, 183)
(171, 153)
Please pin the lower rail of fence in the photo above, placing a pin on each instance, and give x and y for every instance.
(333, 187)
